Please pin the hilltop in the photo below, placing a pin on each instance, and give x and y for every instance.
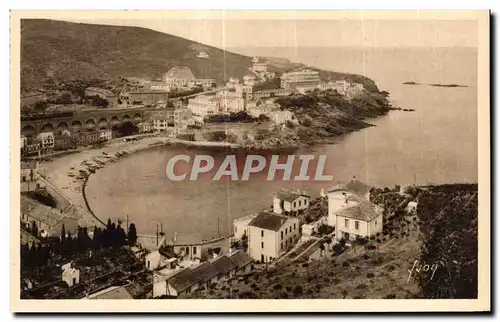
(61, 51)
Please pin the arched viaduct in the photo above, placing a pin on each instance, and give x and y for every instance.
(84, 120)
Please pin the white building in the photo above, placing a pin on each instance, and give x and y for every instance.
(281, 117)
(47, 141)
(105, 134)
(249, 80)
(244, 91)
(240, 226)
(159, 86)
(303, 79)
(271, 235)
(351, 212)
(203, 55)
(70, 274)
(290, 200)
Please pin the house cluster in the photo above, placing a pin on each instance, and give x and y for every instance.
(47, 142)
(171, 119)
(270, 234)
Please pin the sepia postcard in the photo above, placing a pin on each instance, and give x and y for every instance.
(250, 161)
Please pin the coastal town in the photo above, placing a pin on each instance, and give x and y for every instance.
(347, 240)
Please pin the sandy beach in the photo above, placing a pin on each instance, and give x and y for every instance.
(58, 167)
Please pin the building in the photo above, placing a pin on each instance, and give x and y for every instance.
(244, 91)
(203, 55)
(240, 226)
(303, 79)
(229, 103)
(351, 212)
(159, 86)
(105, 135)
(70, 274)
(111, 293)
(202, 106)
(164, 120)
(282, 117)
(47, 141)
(271, 235)
(64, 142)
(259, 67)
(137, 81)
(182, 118)
(269, 93)
(23, 142)
(29, 171)
(290, 200)
(206, 83)
(203, 275)
(233, 82)
(147, 97)
(179, 76)
(160, 258)
(102, 93)
(32, 147)
(86, 138)
(47, 221)
(249, 80)
(145, 127)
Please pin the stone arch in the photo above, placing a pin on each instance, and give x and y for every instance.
(77, 125)
(48, 127)
(114, 120)
(90, 124)
(28, 130)
(126, 118)
(102, 123)
(62, 126)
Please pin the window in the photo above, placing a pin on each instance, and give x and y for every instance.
(300, 203)
(194, 250)
(262, 244)
(375, 223)
(294, 204)
(281, 245)
(346, 222)
(286, 231)
(305, 202)
(282, 235)
(356, 225)
(294, 226)
(261, 233)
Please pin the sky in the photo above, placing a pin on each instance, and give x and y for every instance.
(239, 33)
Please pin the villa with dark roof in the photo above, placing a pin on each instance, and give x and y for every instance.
(290, 200)
(270, 235)
(351, 212)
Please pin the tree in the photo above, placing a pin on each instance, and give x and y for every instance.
(63, 233)
(132, 235)
(321, 249)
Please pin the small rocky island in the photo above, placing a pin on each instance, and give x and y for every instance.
(435, 85)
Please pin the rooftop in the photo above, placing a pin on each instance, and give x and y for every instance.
(269, 221)
(207, 270)
(40, 212)
(354, 186)
(112, 293)
(180, 72)
(361, 210)
(290, 195)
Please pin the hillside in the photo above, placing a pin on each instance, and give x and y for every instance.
(61, 51)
